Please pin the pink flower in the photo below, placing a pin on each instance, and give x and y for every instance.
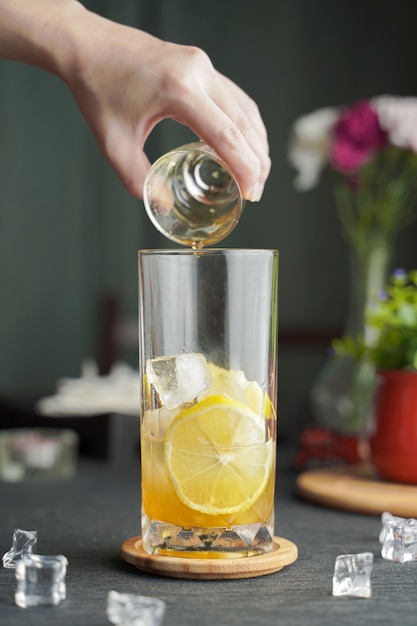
(357, 135)
(349, 137)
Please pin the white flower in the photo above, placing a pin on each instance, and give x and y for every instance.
(398, 117)
(309, 146)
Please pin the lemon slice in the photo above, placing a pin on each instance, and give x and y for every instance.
(233, 384)
(217, 457)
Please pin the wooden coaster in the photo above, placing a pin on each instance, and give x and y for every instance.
(357, 488)
(283, 553)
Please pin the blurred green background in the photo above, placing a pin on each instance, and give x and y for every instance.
(69, 231)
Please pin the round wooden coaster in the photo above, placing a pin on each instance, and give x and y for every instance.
(357, 488)
(283, 553)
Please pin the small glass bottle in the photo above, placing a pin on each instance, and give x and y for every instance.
(191, 196)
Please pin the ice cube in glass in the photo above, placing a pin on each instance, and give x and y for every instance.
(179, 378)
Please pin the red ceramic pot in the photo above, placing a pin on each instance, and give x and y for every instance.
(393, 444)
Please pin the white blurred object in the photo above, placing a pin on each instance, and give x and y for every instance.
(309, 144)
(92, 394)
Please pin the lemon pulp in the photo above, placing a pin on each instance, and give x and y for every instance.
(217, 456)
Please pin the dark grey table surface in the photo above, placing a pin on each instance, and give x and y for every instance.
(88, 517)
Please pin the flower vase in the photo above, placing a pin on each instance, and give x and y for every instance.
(343, 391)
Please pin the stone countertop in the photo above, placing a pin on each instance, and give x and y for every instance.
(88, 517)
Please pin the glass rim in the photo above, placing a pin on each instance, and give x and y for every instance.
(204, 251)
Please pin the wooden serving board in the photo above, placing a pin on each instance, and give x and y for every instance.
(357, 488)
(283, 553)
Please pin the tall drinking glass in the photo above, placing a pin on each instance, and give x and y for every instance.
(208, 369)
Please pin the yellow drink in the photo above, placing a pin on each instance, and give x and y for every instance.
(208, 471)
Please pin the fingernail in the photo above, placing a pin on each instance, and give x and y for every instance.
(256, 193)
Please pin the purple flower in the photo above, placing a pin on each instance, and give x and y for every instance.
(356, 136)
(383, 296)
(399, 272)
(399, 276)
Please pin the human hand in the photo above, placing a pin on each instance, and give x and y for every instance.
(127, 81)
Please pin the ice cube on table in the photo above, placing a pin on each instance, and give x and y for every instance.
(40, 580)
(179, 378)
(387, 517)
(398, 538)
(23, 543)
(128, 609)
(352, 575)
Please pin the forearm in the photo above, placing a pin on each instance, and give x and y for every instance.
(43, 33)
